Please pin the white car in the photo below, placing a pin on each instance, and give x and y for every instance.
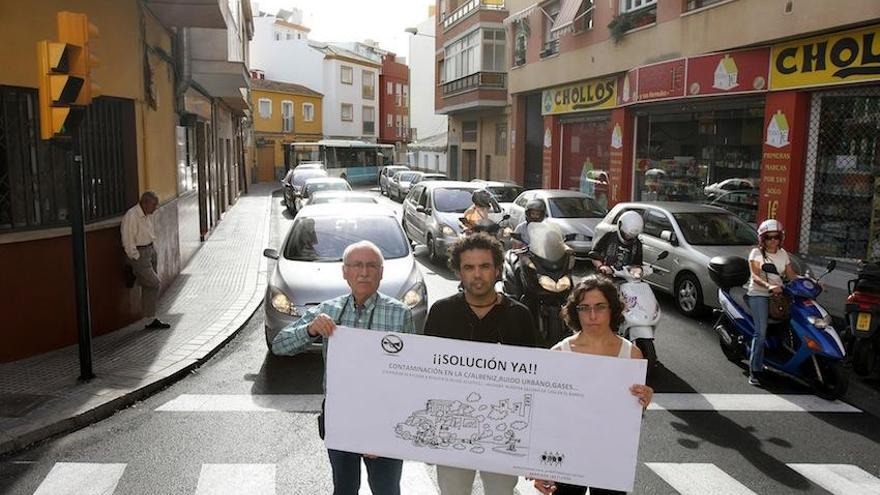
(727, 185)
(572, 211)
(312, 186)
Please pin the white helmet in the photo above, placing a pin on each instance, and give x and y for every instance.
(771, 225)
(629, 226)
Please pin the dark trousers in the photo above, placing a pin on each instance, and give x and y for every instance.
(383, 474)
(565, 489)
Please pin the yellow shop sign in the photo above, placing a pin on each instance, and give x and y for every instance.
(596, 94)
(842, 58)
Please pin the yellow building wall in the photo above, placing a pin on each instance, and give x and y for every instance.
(273, 124)
(121, 72)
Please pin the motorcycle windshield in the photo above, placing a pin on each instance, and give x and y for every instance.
(546, 241)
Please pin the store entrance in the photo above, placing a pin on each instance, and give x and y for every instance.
(703, 152)
(586, 156)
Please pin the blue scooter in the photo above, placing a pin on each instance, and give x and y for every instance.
(806, 348)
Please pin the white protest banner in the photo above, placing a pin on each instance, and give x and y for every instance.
(530, 412)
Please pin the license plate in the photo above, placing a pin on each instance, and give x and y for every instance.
(864, 322)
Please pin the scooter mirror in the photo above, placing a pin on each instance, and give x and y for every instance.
(769, 268)
(832, 264)
(663, 255)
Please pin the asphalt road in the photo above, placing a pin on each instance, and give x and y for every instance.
(757, 449)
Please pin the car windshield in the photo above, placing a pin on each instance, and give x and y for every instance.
(715, 229)
(452, 200)
(394, 170)
(301, 176)
(327, 186)
(575, 207)
(321, 198)
(405, 176)
(433, 177)
(325, 238)
(505, 194)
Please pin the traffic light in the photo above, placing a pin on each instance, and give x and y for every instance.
(65, 79)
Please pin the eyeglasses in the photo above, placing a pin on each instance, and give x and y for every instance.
(771, 237)
(360, 265)
(594, 309)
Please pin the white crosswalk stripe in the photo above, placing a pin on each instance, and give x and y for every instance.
(661, 402)
(81, 478)
(233, 479)
(840, 479)
(698, 479)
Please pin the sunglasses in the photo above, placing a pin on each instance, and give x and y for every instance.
(772, 237)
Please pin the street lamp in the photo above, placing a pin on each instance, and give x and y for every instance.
(415, 32)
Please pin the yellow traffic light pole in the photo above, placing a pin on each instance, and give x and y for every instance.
(66, 88)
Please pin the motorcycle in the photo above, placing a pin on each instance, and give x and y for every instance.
(642, 312)
(539, 276)
(805, 348)
(491, 227)
(862, 316)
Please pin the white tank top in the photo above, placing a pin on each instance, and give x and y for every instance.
(625, 347)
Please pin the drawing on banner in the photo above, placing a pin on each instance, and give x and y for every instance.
(476, 425)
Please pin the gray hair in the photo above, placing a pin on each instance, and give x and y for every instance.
(363, 245)
(149, 195)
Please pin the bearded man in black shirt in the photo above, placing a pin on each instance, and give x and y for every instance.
(483, 315)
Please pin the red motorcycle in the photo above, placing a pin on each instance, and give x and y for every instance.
(863, 317)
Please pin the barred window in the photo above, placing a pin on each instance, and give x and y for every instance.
(33, 172)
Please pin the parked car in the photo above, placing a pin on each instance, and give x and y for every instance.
(505, 192)
(316, 184)
(305, 165)
(309, 268)
(399, 185)
(322, 197)
(572, 211)
(693, 234)
(742, 203)
(387, 173)
(713, 190)
(293, 182)
(431, 213)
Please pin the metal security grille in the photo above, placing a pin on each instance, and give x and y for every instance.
(841, 210)
(33, 172)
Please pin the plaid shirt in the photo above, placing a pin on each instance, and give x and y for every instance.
(379, 312)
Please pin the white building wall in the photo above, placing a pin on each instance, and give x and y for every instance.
(291, 61)
(422, 71)
(337, 93)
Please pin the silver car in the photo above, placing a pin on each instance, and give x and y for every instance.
(572, 211)
(309, 267)
(693, 234)
(316, 184)
(505, 192)
(385, 176)
(322, 197)
(432, 210)
(293, 182)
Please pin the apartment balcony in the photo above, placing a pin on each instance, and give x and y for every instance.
(478, 91)
(218, 65)
(190, 13)
(469, 8)
(479, 80)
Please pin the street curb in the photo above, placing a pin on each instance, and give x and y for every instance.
(107, 409)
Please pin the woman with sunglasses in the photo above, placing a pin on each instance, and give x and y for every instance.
(594, 311)
(762, 284)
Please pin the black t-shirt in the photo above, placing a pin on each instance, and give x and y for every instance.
(617, 254)
(508, 323)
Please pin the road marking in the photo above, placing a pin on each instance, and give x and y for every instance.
(232, 479)
(698, 479)
(81, 478)
(748, 403)
(244, 403)
(840, 479)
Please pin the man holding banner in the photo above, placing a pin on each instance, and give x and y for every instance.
(365, 307)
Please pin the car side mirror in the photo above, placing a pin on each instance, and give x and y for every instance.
(421, 209)
(505, 217)
(270, 253)
(569, 237)
(832, 264)
(663, 255)
(769, 268)
(669, 236)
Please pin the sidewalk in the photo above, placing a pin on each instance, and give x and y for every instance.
(208, 302)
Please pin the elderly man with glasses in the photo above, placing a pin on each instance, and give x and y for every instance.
(364, 307)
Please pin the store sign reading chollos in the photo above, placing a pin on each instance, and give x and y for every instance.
(596, 94)
(848, 57)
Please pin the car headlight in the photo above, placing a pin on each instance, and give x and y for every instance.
(282, 304)
(819, 321)
(447, 231)
(414, 296)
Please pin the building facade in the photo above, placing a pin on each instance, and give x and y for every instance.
(135, 138)
(471, 86)
(394, 103)
(423, 76)
(351, 96)
(652, 101)
(283, 113)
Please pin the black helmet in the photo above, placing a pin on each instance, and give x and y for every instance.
(481, 197)
(536, 210)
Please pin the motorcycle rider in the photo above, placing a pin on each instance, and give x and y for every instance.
(536, 211)
(621, 248)
(478, 212)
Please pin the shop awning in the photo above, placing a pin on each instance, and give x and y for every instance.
(519, 15)
(567, 15)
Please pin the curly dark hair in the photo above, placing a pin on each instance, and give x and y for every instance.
(477, 240)
(569, 312)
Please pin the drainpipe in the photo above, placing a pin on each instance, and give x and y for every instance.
(185, 57)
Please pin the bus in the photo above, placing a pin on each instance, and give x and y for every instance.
(357, 162)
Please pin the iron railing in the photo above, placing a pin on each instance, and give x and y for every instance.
(478, 80)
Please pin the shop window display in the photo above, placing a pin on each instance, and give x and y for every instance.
(701, 155)
(586, 157)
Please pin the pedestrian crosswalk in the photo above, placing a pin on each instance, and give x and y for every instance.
(82, 478)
